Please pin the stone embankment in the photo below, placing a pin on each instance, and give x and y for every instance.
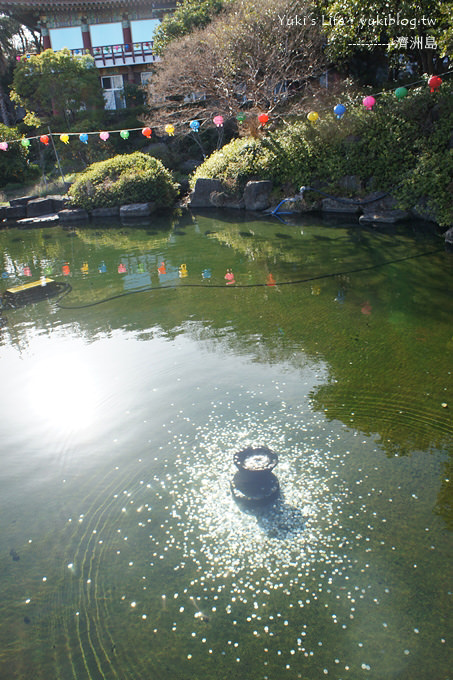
(32, 211)
(376, 207)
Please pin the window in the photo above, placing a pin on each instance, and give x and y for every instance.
(145, 77)
(143, 31)
(66, 37)
(106, 34)
(113, 92)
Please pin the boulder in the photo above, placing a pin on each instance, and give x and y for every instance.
(137, 210)
(59, 202)
(23, 200)
(40, 206)
(344, 205)
(200, 197)
(220, 199)
(422, 212)
(449, 236)
(16, 212)
(257, 195)
(105, 212)
(69, 215)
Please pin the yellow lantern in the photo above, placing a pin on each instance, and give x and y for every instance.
(312, 116)
(64, 139)
(170, 130)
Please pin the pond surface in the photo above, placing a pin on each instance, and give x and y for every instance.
(177, 344)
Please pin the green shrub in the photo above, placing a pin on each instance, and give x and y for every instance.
(13, 162)
(127, 178)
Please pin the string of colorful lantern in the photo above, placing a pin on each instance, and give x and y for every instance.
(339, 110)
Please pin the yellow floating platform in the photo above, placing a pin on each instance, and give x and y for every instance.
(28, 286)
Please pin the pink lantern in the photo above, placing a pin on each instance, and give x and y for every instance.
(3, 146)
(122, 268)
(218, 121)
(27, 271)
(104, 136)
(369, 102)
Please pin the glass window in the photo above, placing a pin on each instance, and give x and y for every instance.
(113, 92)
(145, 77)
(143, 30)
(106, 34)
(66, 37)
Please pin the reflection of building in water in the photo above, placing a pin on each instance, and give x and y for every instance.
(140, 268)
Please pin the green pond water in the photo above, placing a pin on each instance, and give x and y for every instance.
(123, 555)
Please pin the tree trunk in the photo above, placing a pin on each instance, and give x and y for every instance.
(4, 112)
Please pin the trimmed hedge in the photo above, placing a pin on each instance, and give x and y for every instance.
(123, 179)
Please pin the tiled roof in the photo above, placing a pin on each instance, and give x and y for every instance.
(78, 5)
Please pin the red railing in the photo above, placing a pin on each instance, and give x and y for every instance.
(119, 53)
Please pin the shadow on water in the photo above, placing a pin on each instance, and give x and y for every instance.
(279, 519)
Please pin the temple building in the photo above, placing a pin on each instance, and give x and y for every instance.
(117, 33)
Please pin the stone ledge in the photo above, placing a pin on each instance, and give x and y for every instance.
(137, 209)
(73, 215)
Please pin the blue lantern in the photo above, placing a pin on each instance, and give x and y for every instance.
(84, 137)
(194, 125)
(339, 110)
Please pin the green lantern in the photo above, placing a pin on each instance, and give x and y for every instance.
(124, 134)
(401, 92)
(25, 142)
(240, 117)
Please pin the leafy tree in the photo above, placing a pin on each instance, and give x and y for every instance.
(56, 83)
(189, 15)
(400, 28)
(247, 57)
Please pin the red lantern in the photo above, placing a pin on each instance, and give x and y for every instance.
(44, 139)
(146, 132)
(263, 118)
(434, 82)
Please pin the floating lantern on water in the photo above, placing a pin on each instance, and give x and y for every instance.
(65, 269)
(162, 269)
(369, 102)
(102, 268)
(146, 132)
(313, 116)
(434, 83)
(206, 274)
(27, 271)
(124, 134)
(183, 271)
(339, 110)
(255, 483)
(84, 268)
(104, 136)
(229, 277)
(122, 268)
(401, 92)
